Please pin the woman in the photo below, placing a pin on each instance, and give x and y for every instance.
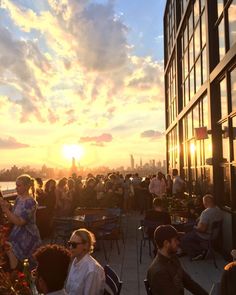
(24, 236)
(61, 197)
(86, 275)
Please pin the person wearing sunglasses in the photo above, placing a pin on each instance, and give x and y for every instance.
(86, 276)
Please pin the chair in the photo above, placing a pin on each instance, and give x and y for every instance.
(109, 231)
(62, 229)
(208, 244)
(147, 287)
(145, 227)
(113, 283)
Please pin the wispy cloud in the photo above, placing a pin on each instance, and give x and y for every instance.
(105, 137)
(152, 134)
(11, 143)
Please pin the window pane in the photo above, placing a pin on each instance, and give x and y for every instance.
(198, 74)
(191, 57)
(186, 63)
(190, 25)
(225, 142)
(220, 6)
(233, 88)
(234, 136)
(226, 186)
(197, 40)
(202, 2)
(186, 37)
(190, 125)
(203, 29)
(196, 12)
(232, 23)
(205, 111)
(223, 98)
(204, 65)
(186, 91)
(191, 84)
(196, 116)
(221, 32)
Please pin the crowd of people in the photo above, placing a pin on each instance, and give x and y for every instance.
(73, 270)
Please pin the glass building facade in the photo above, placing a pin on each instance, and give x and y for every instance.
(200, 100)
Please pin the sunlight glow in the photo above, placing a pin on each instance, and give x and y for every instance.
(192, 148)
(73, 151)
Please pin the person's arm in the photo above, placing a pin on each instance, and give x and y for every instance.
(192, 286)
(13, 261)
(201, 227)
(17, 220)
(94, 283)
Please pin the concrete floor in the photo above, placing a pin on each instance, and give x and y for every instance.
(132, 273)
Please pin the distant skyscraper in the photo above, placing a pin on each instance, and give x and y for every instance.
(141, 162)
(73, 166)
(132, 162)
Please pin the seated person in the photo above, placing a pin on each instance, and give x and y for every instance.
(191, 241)
(157, 215)
(52, 268)
(86, 276)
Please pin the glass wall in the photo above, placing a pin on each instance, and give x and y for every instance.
(226, 24)
(197, 154)
(227, 123)
(170, 28)
(171, 93)
(173, 149)
(193, 53)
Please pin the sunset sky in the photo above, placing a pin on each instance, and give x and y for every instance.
(80, 72)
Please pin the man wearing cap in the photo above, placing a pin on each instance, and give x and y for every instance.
(166, 275)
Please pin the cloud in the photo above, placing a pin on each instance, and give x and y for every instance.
(105, 137)
(11, 143)
(152, 134)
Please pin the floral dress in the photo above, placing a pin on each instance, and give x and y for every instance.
(25, 238)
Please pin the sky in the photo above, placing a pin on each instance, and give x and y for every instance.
(80, 73)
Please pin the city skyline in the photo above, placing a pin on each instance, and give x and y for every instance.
(81, 74)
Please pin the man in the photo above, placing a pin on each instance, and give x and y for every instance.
(50, 275)
(178, 185)
(166, 275)
(191, 241)
(157, 185)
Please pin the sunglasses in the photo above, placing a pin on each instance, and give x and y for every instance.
(74, 244)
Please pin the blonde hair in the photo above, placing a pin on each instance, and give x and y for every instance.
(28, 181)
(86, 237)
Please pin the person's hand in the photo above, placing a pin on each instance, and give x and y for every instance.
(4, 205)
(233, 254)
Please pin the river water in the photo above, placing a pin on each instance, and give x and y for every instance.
(6, 185)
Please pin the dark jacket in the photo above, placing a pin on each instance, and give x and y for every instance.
(167, 277)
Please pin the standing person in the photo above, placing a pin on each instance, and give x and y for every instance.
(52, 266)
(169, 186)
(86, 276)
(61, 197)
(24, 236)
(178, 185)
(157, 185)
(166, 275)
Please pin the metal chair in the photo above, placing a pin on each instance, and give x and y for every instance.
(113, 283)
(209, 243)
(147, 287)
(145, 226)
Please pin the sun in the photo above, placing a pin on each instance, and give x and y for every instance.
(73, 151)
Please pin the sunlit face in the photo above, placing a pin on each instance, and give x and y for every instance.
(21, 188)
(80, 247)
(73, 151)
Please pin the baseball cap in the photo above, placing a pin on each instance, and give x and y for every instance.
(163, 233)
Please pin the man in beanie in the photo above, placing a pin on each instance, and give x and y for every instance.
(166, 275)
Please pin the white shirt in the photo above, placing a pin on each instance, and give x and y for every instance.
(157, 186)
(86, 277)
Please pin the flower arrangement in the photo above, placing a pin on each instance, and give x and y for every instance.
(13, 283)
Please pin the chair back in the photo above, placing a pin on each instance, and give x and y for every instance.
(215, 229)
(113, 282)
(147, 287)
